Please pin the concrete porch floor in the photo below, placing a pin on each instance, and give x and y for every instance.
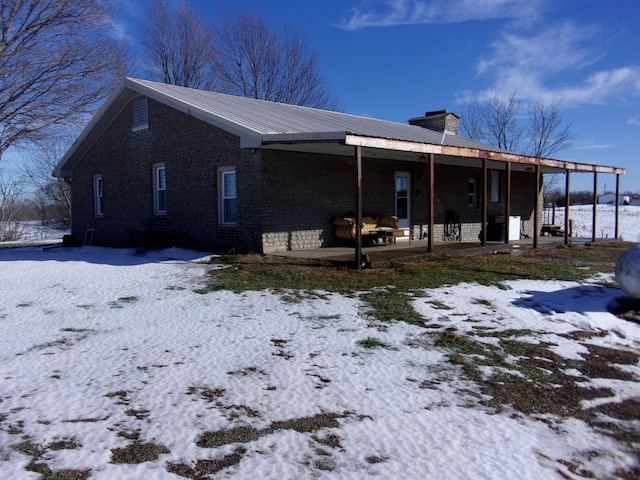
(403, 251)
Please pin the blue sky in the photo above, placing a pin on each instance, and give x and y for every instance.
(396, 59)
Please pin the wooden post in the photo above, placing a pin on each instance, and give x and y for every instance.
(595, 206)
(617, 204)
(432, 196)
(567, 201)
(536, 208)
(483, 231)
(357, 165)
(507, 202)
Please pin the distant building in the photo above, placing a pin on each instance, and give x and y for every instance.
(609, 198)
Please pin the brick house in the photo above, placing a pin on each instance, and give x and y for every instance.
(166, 165)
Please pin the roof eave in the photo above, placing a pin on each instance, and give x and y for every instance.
(426, 148)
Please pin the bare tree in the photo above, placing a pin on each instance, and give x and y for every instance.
(254, 61)
(546, 131)
(52, 196)
(56, 60)
(12, 204)
(178, 46)
(500, 124)
(495, 123)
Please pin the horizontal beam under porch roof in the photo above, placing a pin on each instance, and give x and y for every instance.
(426, 148)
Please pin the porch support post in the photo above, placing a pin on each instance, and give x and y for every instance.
(507, 201)
(536, 208)
(483, 231)
(567, 201)
(432, 196)
(595, 206)
(357, 165)
(615, 232)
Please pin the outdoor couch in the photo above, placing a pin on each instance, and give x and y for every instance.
(373, 227)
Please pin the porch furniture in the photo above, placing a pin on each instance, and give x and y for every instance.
(452, 227)
(372, 228)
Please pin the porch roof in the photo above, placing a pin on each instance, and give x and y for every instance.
(269, 125)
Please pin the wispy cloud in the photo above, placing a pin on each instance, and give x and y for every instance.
(594, 146)
(387, 13)
(634, 121)
(556, 64)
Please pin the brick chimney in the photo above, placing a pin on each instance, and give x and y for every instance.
(438, 120)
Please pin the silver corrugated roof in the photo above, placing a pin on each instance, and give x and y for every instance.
(264, 120)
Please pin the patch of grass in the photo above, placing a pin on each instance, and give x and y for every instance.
(205, 468)
(138, 453)
(207, 394)
(531, 378)
(38, 465)
(298, 279)
(482, 301)
(372, 342)
(245, 434)
(388, 305)
(130, 299)
(602, 253)
(247, 371)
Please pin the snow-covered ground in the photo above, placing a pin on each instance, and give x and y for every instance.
(35, 231)
(103, 350)
(582, 216)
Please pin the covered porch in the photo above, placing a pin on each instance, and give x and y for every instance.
(427, 158)
(375, 256)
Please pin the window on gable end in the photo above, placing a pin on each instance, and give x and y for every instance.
(140, 114)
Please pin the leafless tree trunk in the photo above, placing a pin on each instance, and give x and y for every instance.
(178, 47)
(498, 123)
(546, 131)
(495, 123)
(56, 61)
(52, 195)
(12, 203)
(254, 61)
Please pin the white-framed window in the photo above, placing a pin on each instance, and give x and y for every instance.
(472, 193)
(159, 189)
(227, 196)
(98, 192)
(140, 114)
(494, 178)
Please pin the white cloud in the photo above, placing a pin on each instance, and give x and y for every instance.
(386, 13)
(552, 65)
(594, 146)
(634, 121)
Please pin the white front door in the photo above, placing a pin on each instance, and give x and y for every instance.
(403, 200)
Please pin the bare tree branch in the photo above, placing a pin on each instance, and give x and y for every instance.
(499, 123)
(495, 123)
(52, 195)
(56, 61)
(254, 61)
(12, 204)
(178, 47)
(547, 134)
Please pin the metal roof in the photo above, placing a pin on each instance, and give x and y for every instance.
(270, 120)
(264, 124)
